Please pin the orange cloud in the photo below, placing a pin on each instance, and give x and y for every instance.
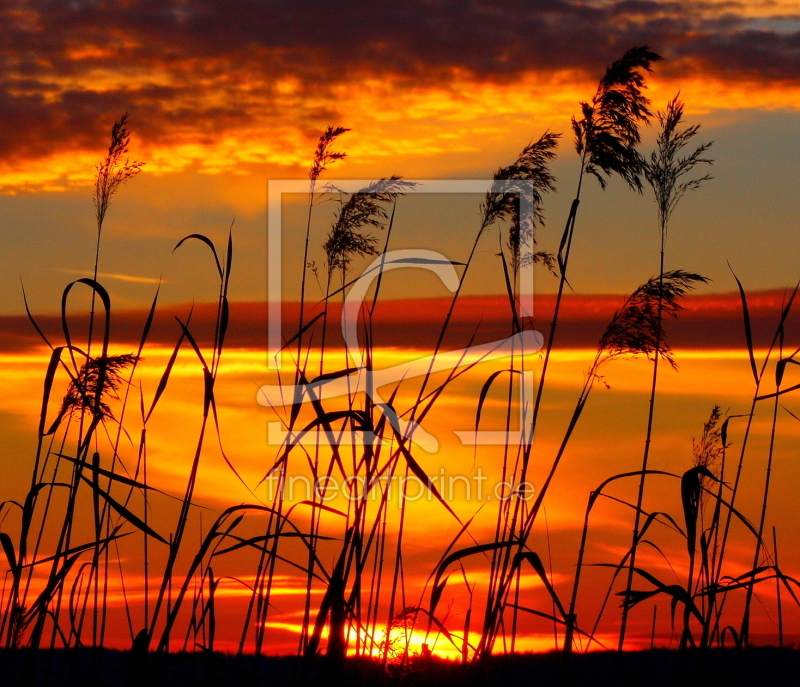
(253, 86)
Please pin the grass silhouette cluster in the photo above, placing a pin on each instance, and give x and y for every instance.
(54, 607)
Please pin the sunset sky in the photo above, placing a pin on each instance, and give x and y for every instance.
(223, 98)
(222, 101)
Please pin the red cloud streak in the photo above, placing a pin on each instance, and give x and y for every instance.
(712, 321)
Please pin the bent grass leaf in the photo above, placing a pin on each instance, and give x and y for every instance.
(100, 543)
(303, 330)
(162, 383)
(676, 592)
(636, 473)
(748, 329)
(11, 556)
(124, 512)
(556, 619)
(538, 567)
(691, 488)
(100, 290)
(422, 476)
(438, 585)
(204, 239)
(487, 385)
(254, 541)
(113, 475)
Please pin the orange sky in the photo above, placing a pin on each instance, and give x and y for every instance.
(249, 91)
(609, 439)
(223, 102)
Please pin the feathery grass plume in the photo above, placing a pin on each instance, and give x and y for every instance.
(362, 210)
(707, 452)
(395, 642)
(323, 155)
(666, 167)
(664, 172)
(112, 172)
(608, 132)
(531, 165)
(532, 168)
(605, 139)
(633, 330)
(636, 328)
(86, 392)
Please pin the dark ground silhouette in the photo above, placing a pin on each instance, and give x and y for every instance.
(768, 666)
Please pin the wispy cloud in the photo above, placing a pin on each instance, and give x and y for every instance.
(119, 277)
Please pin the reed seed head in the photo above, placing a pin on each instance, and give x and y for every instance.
(636, 329)
(666, 168)
(364, 209)
(532, 165)
(98, 379)
(607, 134)
(112, 172)
(323, 155)
(708, 451)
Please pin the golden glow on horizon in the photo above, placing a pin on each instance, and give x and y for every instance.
(449, 648)
(608, 440)
(244, 421)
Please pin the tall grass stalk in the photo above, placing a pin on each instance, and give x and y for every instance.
(716, 609)
(606, 137)
(665, 172)
(780, 369)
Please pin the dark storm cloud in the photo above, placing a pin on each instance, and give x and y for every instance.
(69, 68)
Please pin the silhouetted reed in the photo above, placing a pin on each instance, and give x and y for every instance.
(665, 171)
(353, 559)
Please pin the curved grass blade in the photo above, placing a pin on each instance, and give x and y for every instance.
(208, 242)
(748, 329)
